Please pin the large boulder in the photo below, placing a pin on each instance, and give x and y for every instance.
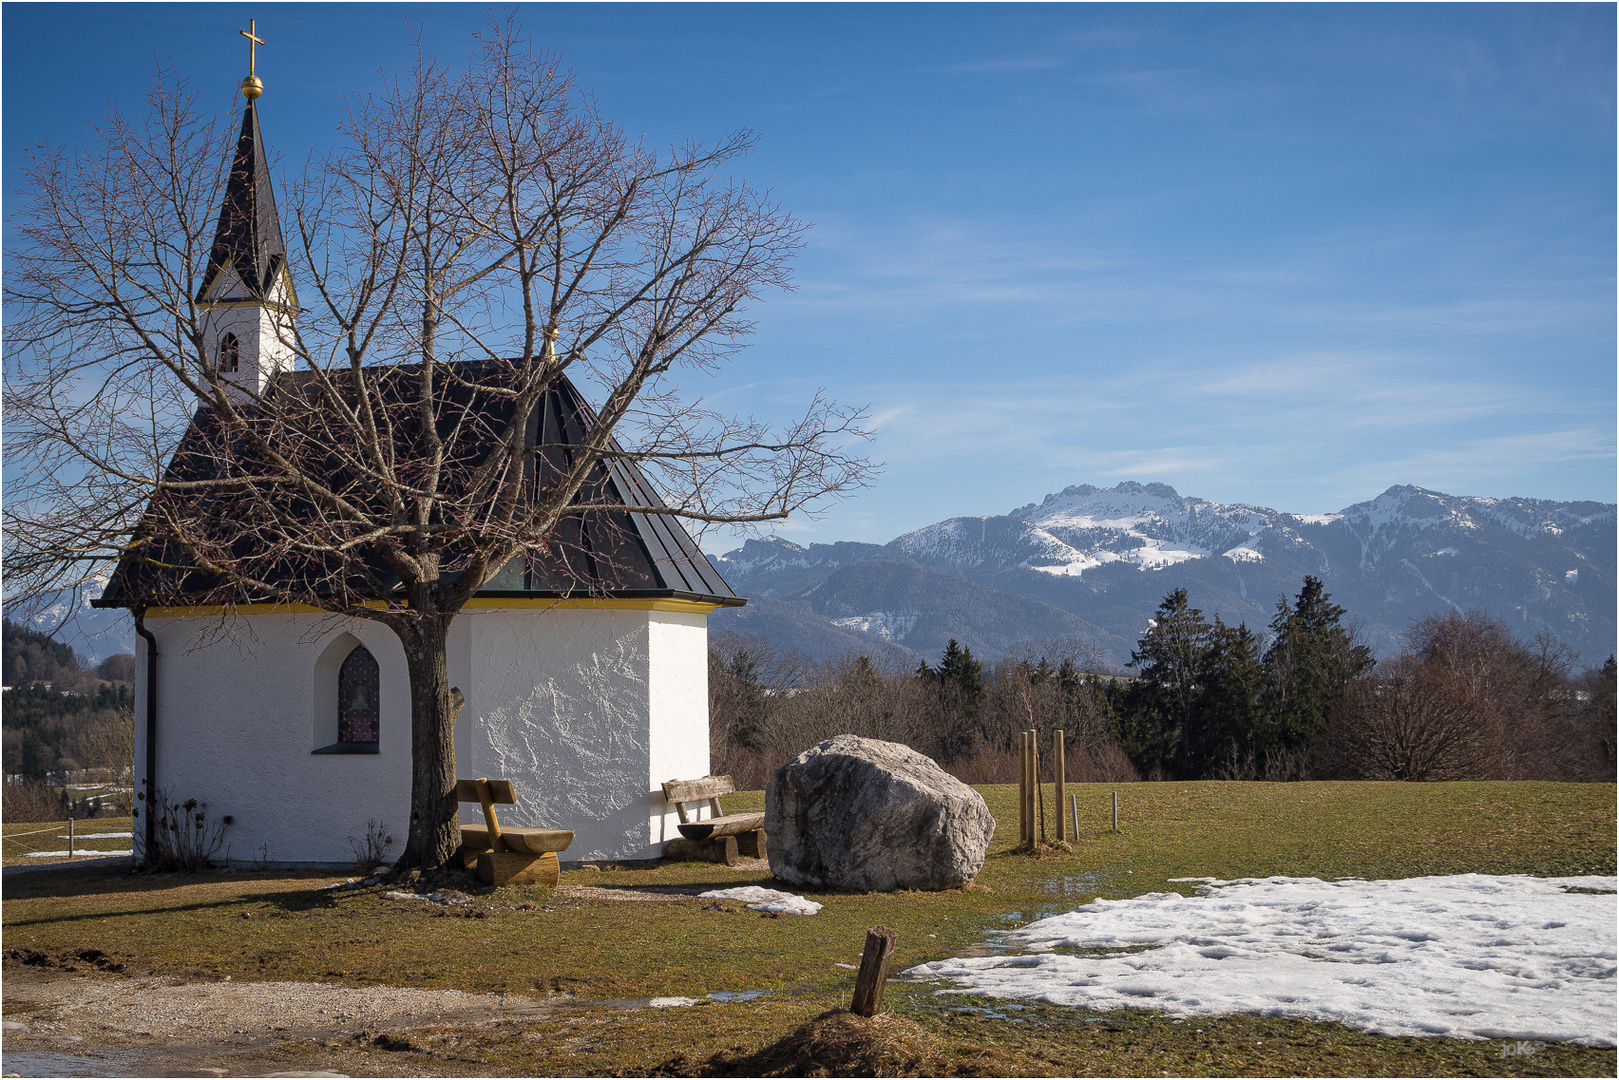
(864, 815)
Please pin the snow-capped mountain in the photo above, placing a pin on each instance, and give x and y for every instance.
(1148, 525)
(1109, 555)
(93, 633)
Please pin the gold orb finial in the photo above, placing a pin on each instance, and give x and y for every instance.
(252, 86)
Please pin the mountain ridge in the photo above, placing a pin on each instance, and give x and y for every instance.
(1107, 556)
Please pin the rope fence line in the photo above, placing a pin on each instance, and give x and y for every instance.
(36, 832)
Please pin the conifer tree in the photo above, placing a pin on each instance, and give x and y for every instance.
(1231, 737)
(1162, 706)
(961, 691)
(1310, 662)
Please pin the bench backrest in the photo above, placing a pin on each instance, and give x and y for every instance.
(486, 793)
(497, 791)
(710, 788)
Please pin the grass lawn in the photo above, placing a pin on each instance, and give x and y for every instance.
(268, 925)
(23, 837)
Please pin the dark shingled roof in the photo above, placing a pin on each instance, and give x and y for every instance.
(249, 233)
(628, 555)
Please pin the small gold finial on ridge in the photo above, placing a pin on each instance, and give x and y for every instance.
(252, 86)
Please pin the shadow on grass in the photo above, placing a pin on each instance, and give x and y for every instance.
(90, 881)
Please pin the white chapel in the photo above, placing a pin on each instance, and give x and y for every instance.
(585, 677)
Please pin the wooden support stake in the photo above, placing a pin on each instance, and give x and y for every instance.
(873, 974)
(70, 838)
(1022, 788)
(1115, 811)
(1074, 801)
(1028, 788)
(1060, 766)
(1039, 788)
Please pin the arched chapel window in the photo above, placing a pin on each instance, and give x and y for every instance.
(357, 682)
(230, 354)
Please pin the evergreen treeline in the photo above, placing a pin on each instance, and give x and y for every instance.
(1206, 701)
(1209, 703)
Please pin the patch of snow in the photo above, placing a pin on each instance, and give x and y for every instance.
(1319, 519)
(1571, 577)
(671, 1002)
(79, 851)
(99, 836)
(1078, 565)
(1243, 553)
(432, 897)
(767, 900)
(1470, 956)
(1154, 556)
(884, 624)
(1442, 552)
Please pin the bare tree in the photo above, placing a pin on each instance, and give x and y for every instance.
(1407, 722)
(481, 235)
(1465, 700)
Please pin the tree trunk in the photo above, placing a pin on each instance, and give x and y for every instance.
(434, 706)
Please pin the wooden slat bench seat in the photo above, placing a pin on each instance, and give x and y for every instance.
(721, 837)
(507, 855)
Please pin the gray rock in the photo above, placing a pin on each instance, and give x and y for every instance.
(867, 815)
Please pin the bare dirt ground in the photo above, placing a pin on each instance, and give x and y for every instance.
(66, 1017)
(160, 1026)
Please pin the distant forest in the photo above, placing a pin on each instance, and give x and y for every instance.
(1463, 700)
(60, 716)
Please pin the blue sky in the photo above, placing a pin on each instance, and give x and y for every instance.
(1269, 254)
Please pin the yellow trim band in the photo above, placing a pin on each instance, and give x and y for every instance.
(691, 607)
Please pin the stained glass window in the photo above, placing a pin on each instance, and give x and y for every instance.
(357, 696)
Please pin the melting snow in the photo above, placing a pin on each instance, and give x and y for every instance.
(1244, 554)
(1571, 577)
(1473, 956)
(761, 899)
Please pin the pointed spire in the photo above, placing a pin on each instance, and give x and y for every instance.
(248, 241)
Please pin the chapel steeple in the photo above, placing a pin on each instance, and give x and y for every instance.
(248, 253)
(246, 291)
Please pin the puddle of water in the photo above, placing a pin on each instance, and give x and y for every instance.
(1002, 1012)
(1074, 886)
(737, 995)
(1029, 916)
(35, 1063)
(994, 947)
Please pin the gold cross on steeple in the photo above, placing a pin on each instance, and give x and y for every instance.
(252, 86)
(254, 41)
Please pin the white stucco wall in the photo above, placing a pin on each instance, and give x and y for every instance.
(236, 724)
(586, 711)
(679, 743)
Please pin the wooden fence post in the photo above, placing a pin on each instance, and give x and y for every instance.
(1061, 766)
(868, 982)
(1115, 811)
(1022, 788)
(70, 838)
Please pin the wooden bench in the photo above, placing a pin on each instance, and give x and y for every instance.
(721, 837)
(507, 855)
